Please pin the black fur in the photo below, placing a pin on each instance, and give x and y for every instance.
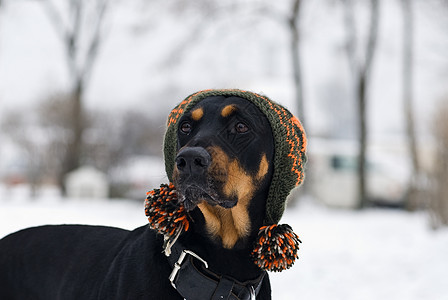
(93, 262)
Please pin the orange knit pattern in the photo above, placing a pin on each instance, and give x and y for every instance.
(179, 109)
(292, 137)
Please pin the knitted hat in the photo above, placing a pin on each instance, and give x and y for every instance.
(289, 145)
(275, 248)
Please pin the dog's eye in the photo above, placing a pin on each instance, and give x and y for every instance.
(185, 127)
(240, 127)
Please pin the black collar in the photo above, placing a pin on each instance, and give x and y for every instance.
(195, 281)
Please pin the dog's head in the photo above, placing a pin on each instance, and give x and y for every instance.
(224, 159)
(225, 153)
(235, 155)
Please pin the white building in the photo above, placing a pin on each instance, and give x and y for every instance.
(87, 182)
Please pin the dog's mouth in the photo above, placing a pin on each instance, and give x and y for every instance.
(191, 194)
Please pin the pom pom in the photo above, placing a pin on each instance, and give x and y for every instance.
(276, 248)
(165, 214)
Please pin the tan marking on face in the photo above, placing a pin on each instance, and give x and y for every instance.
(228, 110)
(263, 168)
(220, 162)
(175, 173)
(234, 223)
(197, 114)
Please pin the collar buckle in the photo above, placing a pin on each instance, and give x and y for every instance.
(179, 263)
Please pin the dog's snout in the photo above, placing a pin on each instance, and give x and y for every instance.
(193, 160)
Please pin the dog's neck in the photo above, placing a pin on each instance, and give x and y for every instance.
(226, 225)
(234, 227)
(219, 235)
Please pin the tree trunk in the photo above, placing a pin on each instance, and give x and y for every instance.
(361, 95)
(295, 54)
(408, 72)
(78, 124)
(360, 75)
(438, 206)
(294, 26)
(73, 152)
(33, 176)
(79, 72)
(364, 76)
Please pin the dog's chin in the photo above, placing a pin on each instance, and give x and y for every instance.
(190, 196)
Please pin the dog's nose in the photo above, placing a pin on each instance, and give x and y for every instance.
(193, 160)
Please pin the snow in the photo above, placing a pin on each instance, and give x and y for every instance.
(371, 254)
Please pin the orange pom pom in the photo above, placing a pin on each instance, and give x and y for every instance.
(165, 214)
(276, 248)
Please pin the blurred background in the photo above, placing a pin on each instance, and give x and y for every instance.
(86, 87)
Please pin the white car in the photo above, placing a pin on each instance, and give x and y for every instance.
(332, 175)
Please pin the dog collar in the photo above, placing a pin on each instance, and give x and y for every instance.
(193, 280)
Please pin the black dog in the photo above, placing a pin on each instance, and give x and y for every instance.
(222, 175)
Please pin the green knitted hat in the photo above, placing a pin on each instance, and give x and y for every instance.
(289, 148)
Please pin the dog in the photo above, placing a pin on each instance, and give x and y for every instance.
(222, 171)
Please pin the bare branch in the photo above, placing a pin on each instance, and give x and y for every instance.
(70, 35)
(372, 37)
(274, 13)
(94, 43)
(56, 19)
(194, 35)
(295, 12)
(349, 21)
(76, 7)
(64, 34)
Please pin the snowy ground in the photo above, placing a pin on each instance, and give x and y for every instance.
(374, 254)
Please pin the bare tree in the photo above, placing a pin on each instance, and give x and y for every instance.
(408, 95)
(42, 137)
(213, 10)
(34, 149)
(292, 20)
(130, 133)
(439, 199)
(360, 67)
(81, 44)
(55, 118)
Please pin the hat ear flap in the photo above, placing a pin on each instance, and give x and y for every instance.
(276, 248)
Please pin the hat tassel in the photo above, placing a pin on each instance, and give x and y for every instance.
(276, 248)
